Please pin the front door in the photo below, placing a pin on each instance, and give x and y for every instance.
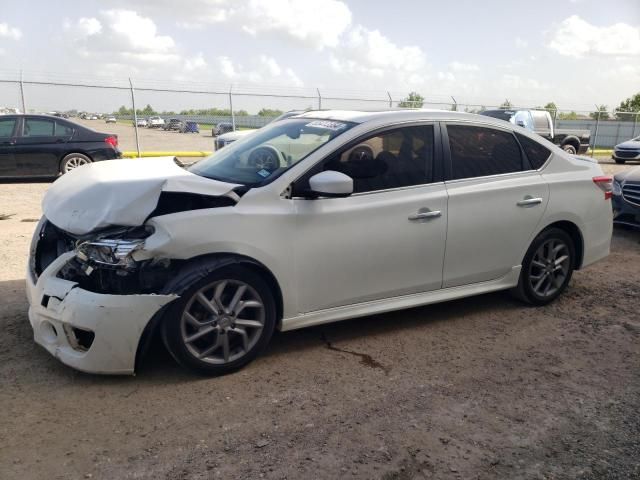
(385, 240)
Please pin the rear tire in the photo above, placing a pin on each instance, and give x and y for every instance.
(73, 161)
(570, 149)
(222, 321)
(547, 268)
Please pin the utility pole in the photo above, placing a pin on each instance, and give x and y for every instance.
(24, 105)
(135, 116)
(233, 117)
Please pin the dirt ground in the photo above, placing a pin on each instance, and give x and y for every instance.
(152, 139)
(477, 388)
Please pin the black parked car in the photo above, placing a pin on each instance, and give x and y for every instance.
(174, 124)
(626, 197)
(43, 146)
(222, 127)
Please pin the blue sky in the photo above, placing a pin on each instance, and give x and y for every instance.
(574, 52)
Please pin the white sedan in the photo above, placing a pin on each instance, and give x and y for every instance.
(321, 217)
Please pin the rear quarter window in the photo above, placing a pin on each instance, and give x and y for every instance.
(38, 128)
(536, 153)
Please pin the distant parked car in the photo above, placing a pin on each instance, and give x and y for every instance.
(92, 117)
(222, 127)
(155, 122)
(539, 121)
(190, 127)
(110, 119)
(629, 150)
(42, 145)
(142, 122)
(626, 197)
(174, 124)
(226, 138)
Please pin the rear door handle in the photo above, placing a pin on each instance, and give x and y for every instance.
(528, 201)
(425, 214)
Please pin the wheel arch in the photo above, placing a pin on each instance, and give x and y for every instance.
(576, 236)
(192, 270)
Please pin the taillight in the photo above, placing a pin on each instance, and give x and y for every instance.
(112, 140)
(605, 183)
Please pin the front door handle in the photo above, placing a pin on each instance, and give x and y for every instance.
(425, 214)
(528, 201)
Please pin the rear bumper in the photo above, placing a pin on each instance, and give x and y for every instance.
(59, 309)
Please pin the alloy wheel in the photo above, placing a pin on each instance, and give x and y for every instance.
(222, 321)
(549, 267)
(75, 162)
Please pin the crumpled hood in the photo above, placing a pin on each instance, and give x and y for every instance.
(119, 192)
(629, 144)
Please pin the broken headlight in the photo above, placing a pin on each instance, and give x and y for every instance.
(109, 252)
(112, 249)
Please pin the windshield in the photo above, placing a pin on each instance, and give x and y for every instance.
(265, 154)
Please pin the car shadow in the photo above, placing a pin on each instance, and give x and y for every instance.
(158, 367)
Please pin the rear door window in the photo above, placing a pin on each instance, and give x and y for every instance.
(36, 127)
(6, 127)
(481, 151)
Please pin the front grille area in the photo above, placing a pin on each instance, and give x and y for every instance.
(631, 192)
(627, 153)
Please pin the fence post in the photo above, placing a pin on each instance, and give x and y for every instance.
(455, 104)
(595, 137)
(390, 100)
(319, 99)
(233, 117)
(635, 121)
(135, 116)
(24, 105)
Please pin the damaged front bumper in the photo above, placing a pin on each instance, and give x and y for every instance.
(91, 332)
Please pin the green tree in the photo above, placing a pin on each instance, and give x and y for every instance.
(413, 100)
(631, 104)
(506, 104)
(602, 109)
(568, 116)
(551, 107)
(269, 112)
(147, 111)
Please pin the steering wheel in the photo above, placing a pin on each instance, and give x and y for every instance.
(265, 157)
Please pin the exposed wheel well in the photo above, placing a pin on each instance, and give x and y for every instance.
(574, 232)
(210, 263)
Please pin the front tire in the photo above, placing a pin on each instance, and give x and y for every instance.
(570, 149)
(547, 267)
(73, 161)
(619, 161)
(221, 322)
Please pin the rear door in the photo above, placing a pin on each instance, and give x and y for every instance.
(496, 201)
(41, 145)
(7, 146)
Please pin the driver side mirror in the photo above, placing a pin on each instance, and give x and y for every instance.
(331, 184)
(520, 123)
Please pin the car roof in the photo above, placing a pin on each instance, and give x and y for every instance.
(393, 116)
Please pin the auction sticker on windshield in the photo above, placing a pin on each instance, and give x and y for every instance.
(328, 124)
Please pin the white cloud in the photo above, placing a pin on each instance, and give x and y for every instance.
(12, 33)
(576, 37)
(369, 51)
(521, 43)
(463, 67)
(123, 36)
(195, 63)
(264, 69)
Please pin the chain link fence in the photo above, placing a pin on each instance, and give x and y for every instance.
(249, 106)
